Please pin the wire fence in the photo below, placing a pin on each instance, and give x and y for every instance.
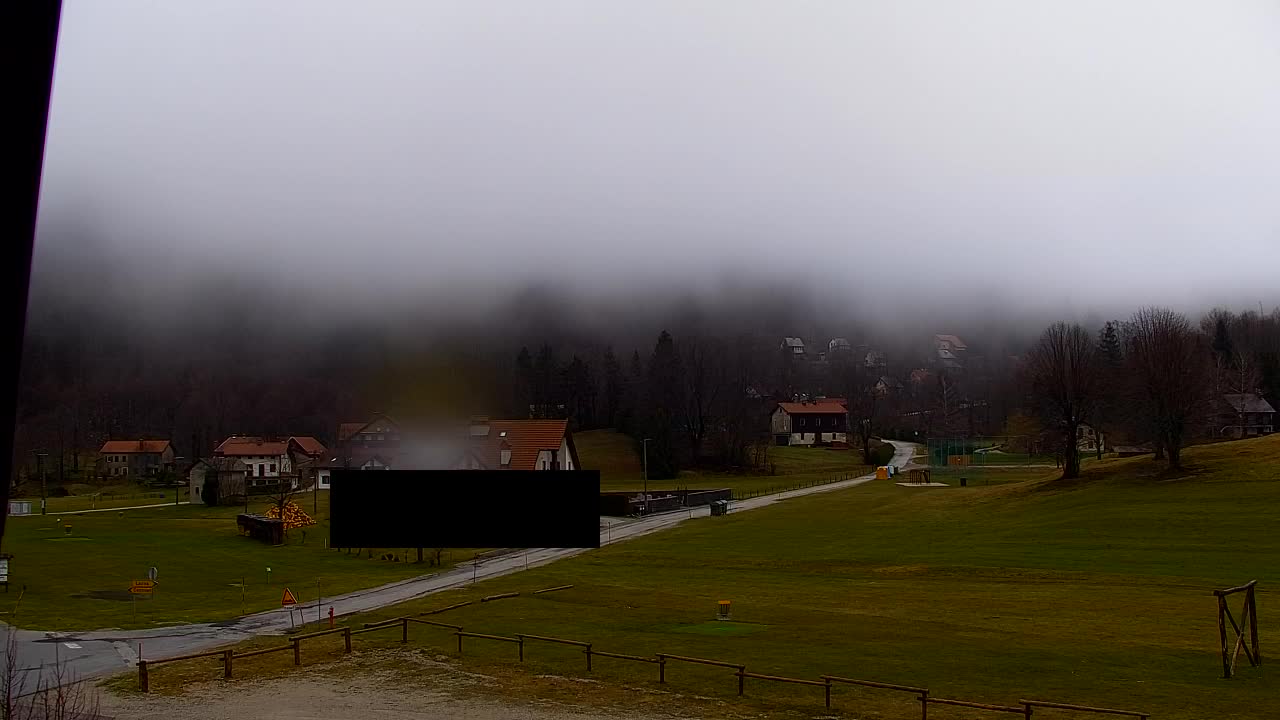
(787, 487)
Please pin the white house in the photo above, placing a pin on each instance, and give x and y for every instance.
(265, 459)
(1088, 440)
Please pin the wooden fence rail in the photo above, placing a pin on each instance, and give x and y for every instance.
(660, 659)
(662, 666)
(501, 638)
(1025, 711)
(552, 589)
(825, 684)
(1081, 708)
(560, 641)
(922, 692)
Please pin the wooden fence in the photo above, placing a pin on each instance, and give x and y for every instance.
(228, 657)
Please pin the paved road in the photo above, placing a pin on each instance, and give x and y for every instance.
(113, 509)
(106, 651)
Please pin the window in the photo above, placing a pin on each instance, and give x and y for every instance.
(273, 467)
(124, 470)
(801, 422)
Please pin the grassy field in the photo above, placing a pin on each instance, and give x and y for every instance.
(621, 467)
(1094, 591)
(80, 581)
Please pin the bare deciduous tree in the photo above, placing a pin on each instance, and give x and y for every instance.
(1170, 364)
(1064, 372)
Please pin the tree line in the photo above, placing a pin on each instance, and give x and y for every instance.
(1155, 379)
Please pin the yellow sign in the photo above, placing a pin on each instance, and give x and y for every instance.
(142, 587)
(288, 599)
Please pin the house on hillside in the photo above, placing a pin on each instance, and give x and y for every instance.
(519, 445)
(887, 385)
(1245, 415)
(949, 352)
(1089, 440)
(811, 422)
(838, 346)
(793, 346)
(875, 360)
(223, 478)
(135, 458)
(378, 432)
(267, 460)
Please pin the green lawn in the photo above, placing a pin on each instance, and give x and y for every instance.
(1094, 591)
(80, 581)
(621, 467)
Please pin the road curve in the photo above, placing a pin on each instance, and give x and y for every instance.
(109, 651)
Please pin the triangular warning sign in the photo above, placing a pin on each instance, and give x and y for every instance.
(288, 599)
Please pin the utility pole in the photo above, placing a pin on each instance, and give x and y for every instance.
(44, 488)
(645, 444)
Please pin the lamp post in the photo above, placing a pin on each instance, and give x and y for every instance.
(645, 444)
(44, 488)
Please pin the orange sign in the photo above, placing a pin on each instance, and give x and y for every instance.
(288, 599)
(142, 587)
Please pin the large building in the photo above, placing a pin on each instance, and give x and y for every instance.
(135, 458)
(811, 422)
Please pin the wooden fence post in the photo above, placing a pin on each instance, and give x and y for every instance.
(459, 634)
(828, 692)
(143, 680)
(662, 669)
(297, 652)
(404, 630)
(1222, 633)
(226, 664)
(588, 657)
(924, 705)
(742, 669)
(1253, 625)
(346, 638)
(520, 642)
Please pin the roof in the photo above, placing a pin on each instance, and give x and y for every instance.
(237, 445)
(955, 342)
(826, 406)
(526, 438)
(793, 342)
(310, 445)
(124, 447)
(223, 464)
(348, 429)
(1248, 403)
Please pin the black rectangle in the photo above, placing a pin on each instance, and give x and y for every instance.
(464, 509)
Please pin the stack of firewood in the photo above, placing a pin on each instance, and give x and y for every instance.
(294, 517)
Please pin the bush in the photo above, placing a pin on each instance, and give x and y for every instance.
(881, 452)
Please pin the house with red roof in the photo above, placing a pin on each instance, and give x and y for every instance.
(266, 459)
(519, 445)
(810, 422)
(135, 458)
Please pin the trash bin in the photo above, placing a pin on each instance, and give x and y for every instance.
(720, 507)
(964, 482)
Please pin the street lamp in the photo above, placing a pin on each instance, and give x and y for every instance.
(44, 488)
(645, 444)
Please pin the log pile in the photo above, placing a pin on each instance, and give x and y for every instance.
(294, 517)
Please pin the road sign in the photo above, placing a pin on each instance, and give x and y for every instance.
(288, 599)
(142, 587)
(4, 570)
(152, 574)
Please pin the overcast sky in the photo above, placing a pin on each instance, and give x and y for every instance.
(1070, 152)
